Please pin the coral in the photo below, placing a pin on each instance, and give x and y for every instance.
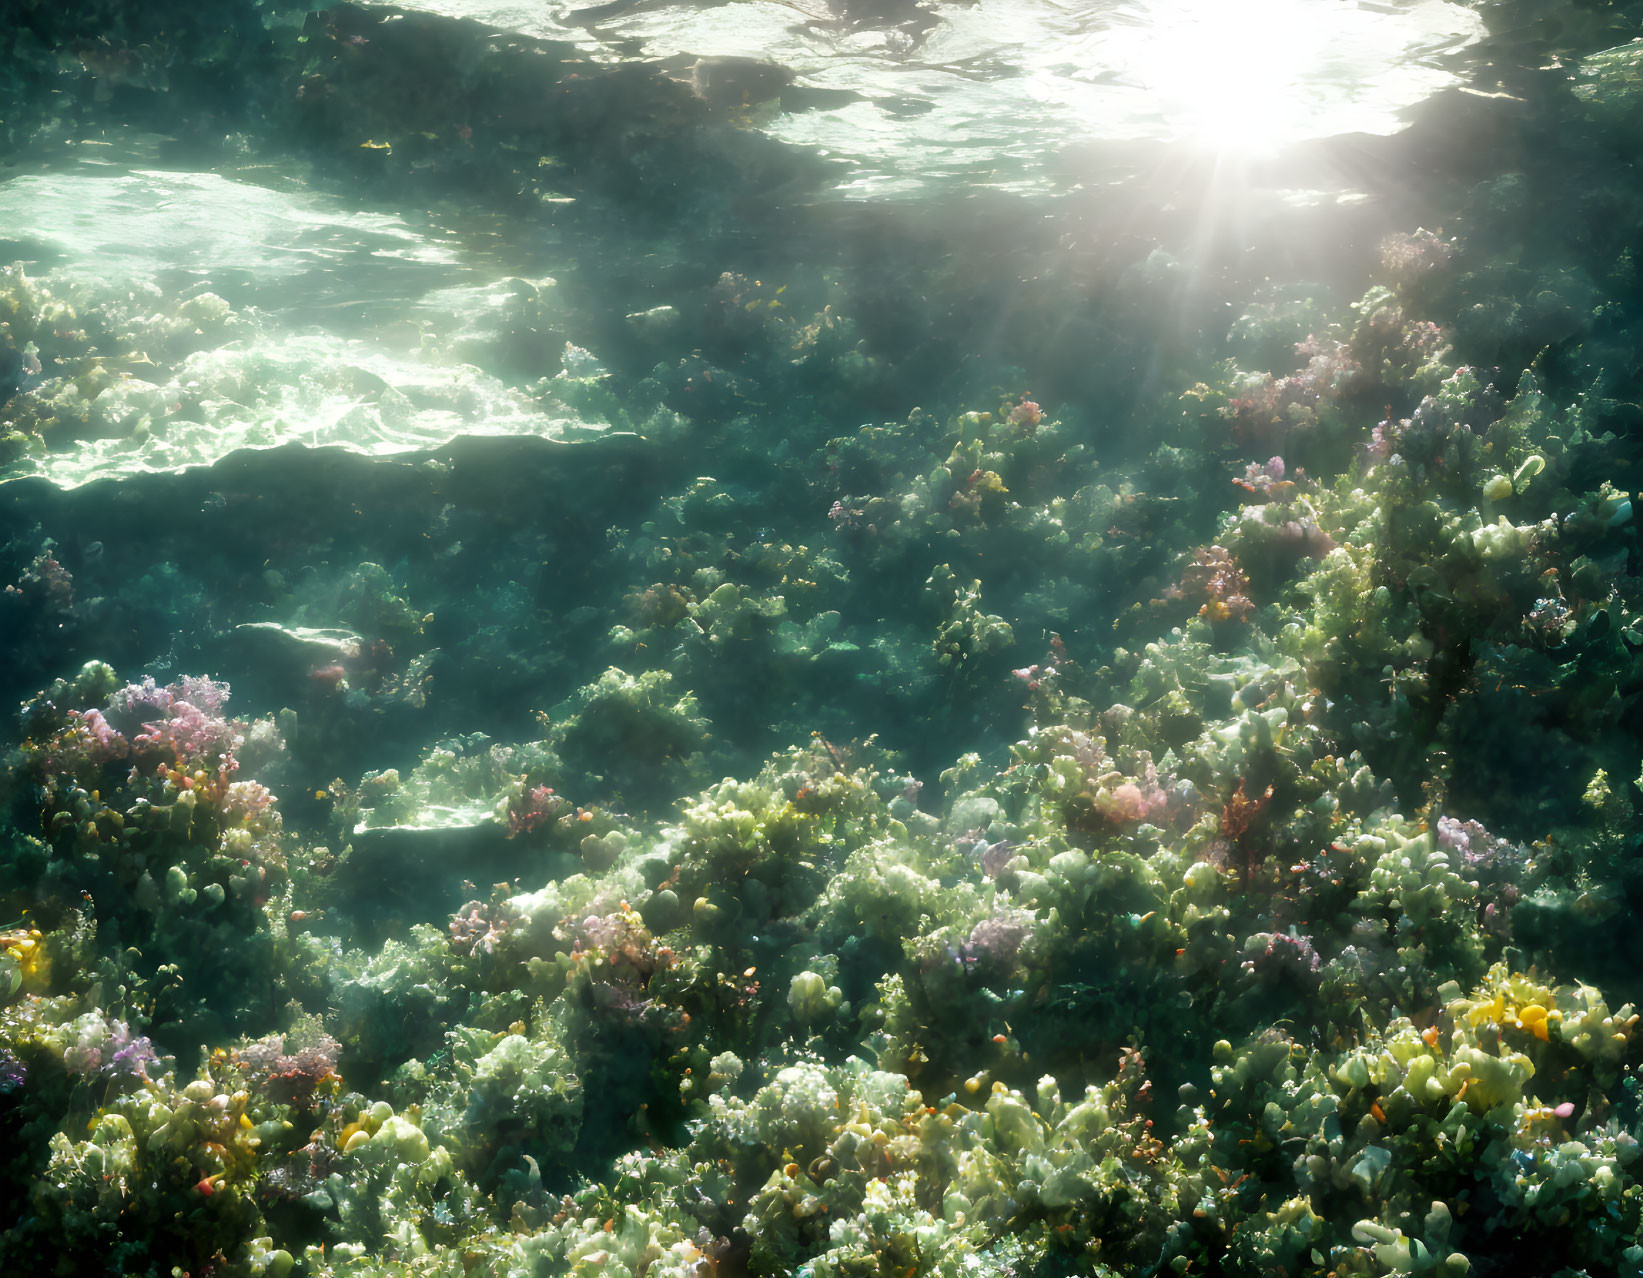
(631, 735)
(1411, 258)
(1216, 578)
(1228, 926)
(171, 856)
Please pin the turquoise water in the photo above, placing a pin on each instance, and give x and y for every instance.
(875, 638)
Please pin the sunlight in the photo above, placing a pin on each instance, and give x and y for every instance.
(1240, 75)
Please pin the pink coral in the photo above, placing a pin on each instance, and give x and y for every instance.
(247, 800)
(1026, 415)
(92, 740)
(1409, 258)
(197, 737)
(209, 694)
(476, 928)
(47, 584)
(1266, 480)
(1140, 799)
(530, 810)
(136, 702)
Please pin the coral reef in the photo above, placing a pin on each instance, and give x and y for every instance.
(802, 832)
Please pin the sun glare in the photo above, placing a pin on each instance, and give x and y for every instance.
(1236, 75)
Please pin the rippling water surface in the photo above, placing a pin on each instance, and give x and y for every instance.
(1188, 115)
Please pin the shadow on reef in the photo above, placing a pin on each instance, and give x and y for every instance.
(203, 569)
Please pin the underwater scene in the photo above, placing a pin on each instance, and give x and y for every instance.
(821, 638)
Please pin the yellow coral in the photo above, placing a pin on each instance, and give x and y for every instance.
(25, 949)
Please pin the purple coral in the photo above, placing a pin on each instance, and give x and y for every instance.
(12, 1073)
(132, 1058)
(611, 933)
(135, 703)
(108, 1049)
(1266, 479)
(1477, 847)
(1497, 864)
(209, 694)
(185, 717)
(1383, 439)
(847, 517)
